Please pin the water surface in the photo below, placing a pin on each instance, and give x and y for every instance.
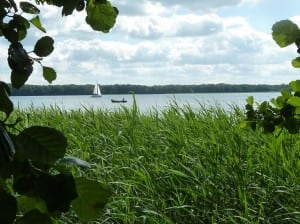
(145, 102)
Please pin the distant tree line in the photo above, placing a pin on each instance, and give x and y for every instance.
(32, 90)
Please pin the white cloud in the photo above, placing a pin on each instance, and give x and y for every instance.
(179, 51)
(153, 27)
(143, 7)
(199, 5)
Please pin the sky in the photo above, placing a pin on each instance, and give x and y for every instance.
(160, 42)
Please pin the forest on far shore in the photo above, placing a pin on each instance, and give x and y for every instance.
(40, 90)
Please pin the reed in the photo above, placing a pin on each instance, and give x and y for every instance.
(182, 165)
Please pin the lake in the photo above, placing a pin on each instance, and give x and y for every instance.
(145, 102)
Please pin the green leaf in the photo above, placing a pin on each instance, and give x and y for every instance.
(68, 7)
(250, 100)
(8, 207)
(295, 85)
(20, 24)
(57, 191)
(49, 74)
(27, 203)
(37, 23)
(18, 79)
(101, 16)
(7, 148)
(10, 33)
(279, 102)
(243, 124)
(92, 198)
(22, 34)
(74, 161)
(297, 111)
(291, 125)
(286, 93)
(6, 87)
(18, 58)
(296, 62)
(268, 126)
(294, 101)
(35, 216)
(42, 144)
(29, 8)
(20, 63)
(80, 5)
(285, 32)
(6, 104)
(44, 46)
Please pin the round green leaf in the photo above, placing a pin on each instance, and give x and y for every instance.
(57, 191)
(29, 8)
(291, 125)
(44, 46)
(294, 101)
(42, 144)
(7, 148)
(20, 63)
(285, 32)
(6, 104)
(250, 100)
(92, 197)
(18, 79)
(295, 85)
(27, 203)
(18, 59)
(286, 93)
(101, 16)
(20, 24)
(80, 5)
(6, 87)
(297, 110)
(10, 33)
(296, 62)
(49, 74)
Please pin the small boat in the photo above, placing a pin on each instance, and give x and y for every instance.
(119, 101)
(97, 91)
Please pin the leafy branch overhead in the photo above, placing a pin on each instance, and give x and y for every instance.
(101, 15)
(285, 33)
(36, 184)
(282, 112)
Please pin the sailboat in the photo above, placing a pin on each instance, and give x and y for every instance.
(96, 91)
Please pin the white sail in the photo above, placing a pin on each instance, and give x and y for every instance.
(97, 91)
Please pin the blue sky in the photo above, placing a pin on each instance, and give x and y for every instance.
(169, 42)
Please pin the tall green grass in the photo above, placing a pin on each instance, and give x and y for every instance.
(182, 165)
